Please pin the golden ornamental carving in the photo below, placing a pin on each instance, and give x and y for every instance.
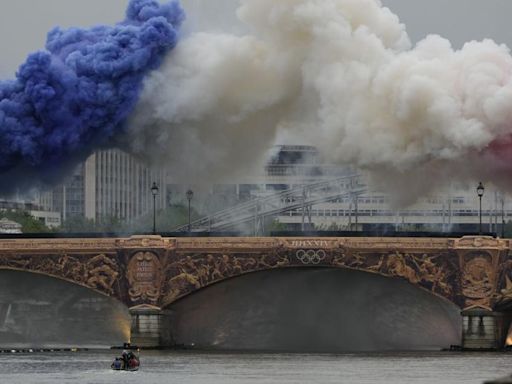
(144, 276)
(397, 266)
(504, 292)
(99, 272)
(102, 273)
(432, 271)
(477, 279)
(193, 272)
(480, 242)
(161, 270)
(147, 241)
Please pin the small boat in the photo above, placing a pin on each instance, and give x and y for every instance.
(128, 362)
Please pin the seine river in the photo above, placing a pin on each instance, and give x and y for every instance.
(205, 368)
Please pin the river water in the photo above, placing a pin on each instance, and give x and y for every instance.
(226, 368)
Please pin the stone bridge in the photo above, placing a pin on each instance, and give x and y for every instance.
(148, 273)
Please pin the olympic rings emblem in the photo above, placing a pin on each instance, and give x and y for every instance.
(311, 257)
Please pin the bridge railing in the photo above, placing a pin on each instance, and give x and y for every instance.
(299, 197)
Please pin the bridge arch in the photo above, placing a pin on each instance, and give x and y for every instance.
(38, 310)
(99, 272)
(314, 310)
(192, 272)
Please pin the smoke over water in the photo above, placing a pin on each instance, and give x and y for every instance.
(339, 74)
(315, 311)
(75, 96)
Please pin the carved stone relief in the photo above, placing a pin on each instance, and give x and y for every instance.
(432, 271)
(477, 279)
(144, 276)
(193, 272)
(99, 272)
(159, 270)
(504, 289)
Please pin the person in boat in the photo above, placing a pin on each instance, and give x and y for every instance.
(118, 364)
(133, 360)
(129, 359)
(124, 355)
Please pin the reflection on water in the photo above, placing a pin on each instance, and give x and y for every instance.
(192, 368)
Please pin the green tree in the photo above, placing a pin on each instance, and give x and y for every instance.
(78, 224)
(166, 219)
(275, 226)
(110, 224)
(29, 224)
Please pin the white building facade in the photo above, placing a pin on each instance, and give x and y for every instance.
(452, 210)
(109, 184)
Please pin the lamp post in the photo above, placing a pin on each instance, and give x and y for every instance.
(190, 194)
(356, 206)
(303, 208)
(480, 192)
(154, 192)
(502, 215)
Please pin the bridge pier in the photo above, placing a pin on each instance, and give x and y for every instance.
(150, 327)
(483, 329)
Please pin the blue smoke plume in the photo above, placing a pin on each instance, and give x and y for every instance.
(74, 97)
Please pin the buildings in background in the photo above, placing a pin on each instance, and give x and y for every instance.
(451, 210)
(9, 227)
(455, 211)
(49, 218)
(109, 184)
(113, 184)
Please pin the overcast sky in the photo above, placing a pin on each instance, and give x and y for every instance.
(24, 23)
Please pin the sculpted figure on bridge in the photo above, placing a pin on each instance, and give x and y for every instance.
(273, 260)
(431, 271)
(397, 266)
(504, 294)
(98, 272)
(102, 273)
(379, 266)
(14, 262)
(245, 264)
(356, 260)
(197, 271)
(433, 274)
(477, 279)
(184, 276)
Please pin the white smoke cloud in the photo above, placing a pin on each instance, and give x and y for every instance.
(338, 74)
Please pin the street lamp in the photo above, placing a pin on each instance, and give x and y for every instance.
(190, 194)
(502, 215)
(154, 192)
(303, 207)
(480, 192)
